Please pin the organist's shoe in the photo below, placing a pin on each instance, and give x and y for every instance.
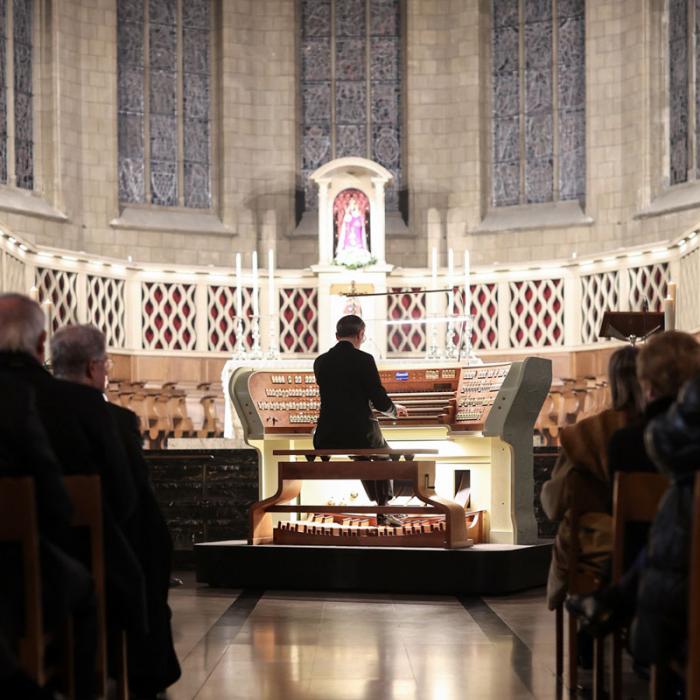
(389, 519)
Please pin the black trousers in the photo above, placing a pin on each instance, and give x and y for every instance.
(381, 492)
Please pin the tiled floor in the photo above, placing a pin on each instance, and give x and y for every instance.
(329, 646)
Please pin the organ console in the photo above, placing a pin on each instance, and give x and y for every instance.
(479, 419)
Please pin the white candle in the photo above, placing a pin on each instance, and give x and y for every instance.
(34, 294)
(672, 290)
(434, 267)
(256, 309)
(467, 286)
(270, 282)
(239, 290)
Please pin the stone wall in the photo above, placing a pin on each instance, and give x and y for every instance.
(447, 102)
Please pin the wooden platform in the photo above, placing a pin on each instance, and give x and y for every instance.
(486, 569)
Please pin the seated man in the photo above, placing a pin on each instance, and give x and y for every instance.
(350, 386)
(79, 355)
(84, 440)
(67, 587)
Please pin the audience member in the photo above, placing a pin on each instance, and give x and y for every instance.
(582, 467)
(79, 355)
(67, 586)
(84, 439)
(666, 361)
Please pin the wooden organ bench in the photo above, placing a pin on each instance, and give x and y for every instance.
(438, 522)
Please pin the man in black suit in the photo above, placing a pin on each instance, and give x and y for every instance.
(67, 587)
(350, 386)
(84, 439)
(78, 356)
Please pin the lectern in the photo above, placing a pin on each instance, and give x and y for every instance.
(631, 325)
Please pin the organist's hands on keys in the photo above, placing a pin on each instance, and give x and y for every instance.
(401, 410)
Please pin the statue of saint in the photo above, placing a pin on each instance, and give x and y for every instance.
(350, 212)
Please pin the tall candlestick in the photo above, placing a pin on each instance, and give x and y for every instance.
(450, 275)
(270, 282)
(467, 286)
(239, 290)
(434, 268)
(256, 309)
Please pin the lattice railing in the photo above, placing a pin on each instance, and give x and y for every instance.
(689, 291)
(168, 316)
(221, 317)
(484, 313)
(405, 303)
(536, 313)
(599, 293)
(60, 288)
(648, 282)
(106, 308)
(298, 316)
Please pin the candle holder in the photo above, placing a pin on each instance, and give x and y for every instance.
(451, 349)
(467, 348)
(273, 340)
(256, 352)
(239, 351)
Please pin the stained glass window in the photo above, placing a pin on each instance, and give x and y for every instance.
(164, 68)
(684, 96)
(538, 89)
(17, 51)
(351, 76)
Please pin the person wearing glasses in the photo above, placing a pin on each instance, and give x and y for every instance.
(350, 387)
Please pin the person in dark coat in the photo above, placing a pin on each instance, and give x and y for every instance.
(350, 387)
(666, 361)
(84, 439)
(78, 354)
(659, 632)
(67, 587)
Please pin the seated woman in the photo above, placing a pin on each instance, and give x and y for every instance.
(583, 460)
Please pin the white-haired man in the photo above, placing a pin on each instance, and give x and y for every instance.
(78, 354)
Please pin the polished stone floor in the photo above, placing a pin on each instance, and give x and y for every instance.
(281, 645)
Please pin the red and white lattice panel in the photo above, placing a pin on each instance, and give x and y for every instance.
(168, 316)
(407, 303)
(536, 313)
(298, 320)
(599, 293)
(221, 317)
(484, 313)
(105, 308)
(648, 283)
(59, 287)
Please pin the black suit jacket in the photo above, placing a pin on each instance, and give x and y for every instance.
(25, 450)
(81, 431)
(349, 386)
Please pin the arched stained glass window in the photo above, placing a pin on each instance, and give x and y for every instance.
(538, 101)
(351, 76)
(164, 75)
(16, 66)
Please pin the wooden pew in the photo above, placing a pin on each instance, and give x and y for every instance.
(85, 493)
(693, 663)
(18, 523)
(580, 582)
(636, 497)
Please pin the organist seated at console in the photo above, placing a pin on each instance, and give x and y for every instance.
(349, 386)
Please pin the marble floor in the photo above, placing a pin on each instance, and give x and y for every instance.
(283, 645)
